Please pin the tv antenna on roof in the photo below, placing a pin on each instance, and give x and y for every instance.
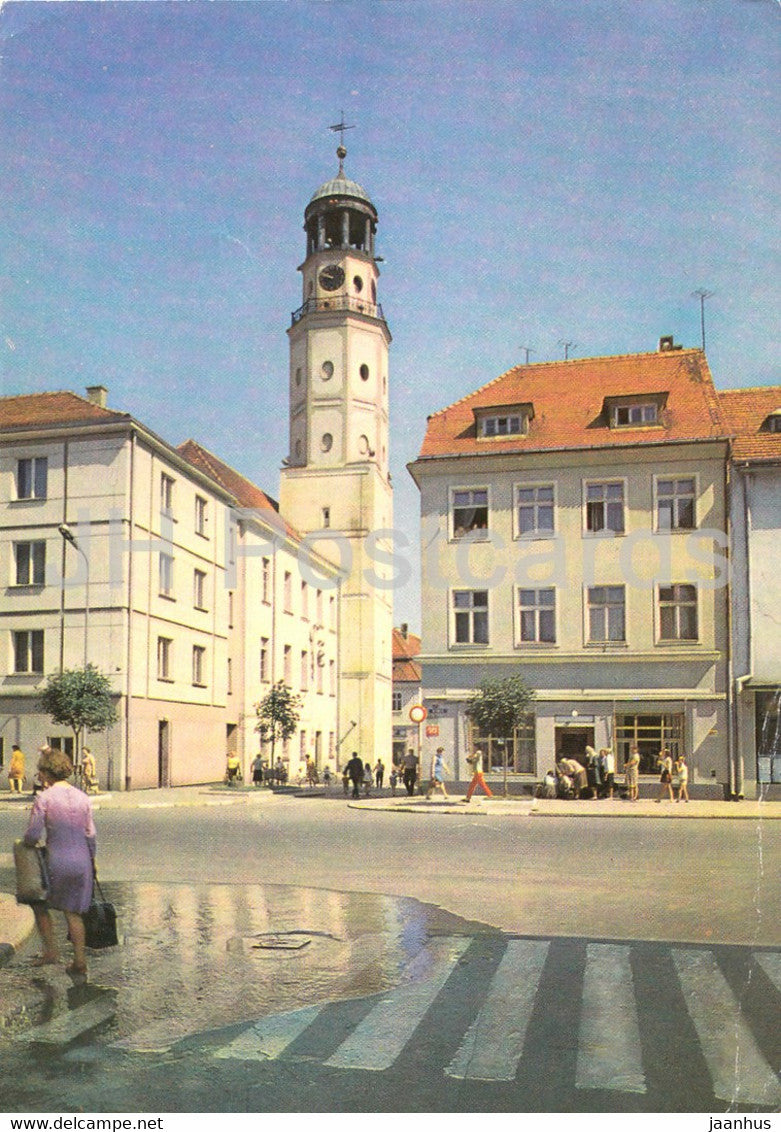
(567, 347)
(702, 295)
(527, 350)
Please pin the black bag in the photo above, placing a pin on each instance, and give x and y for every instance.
(100, 922)
(32, 876)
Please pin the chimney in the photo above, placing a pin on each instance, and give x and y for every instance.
(404, 629)
(667, 342)
(97, 394)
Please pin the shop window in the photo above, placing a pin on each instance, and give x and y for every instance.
(650, 733)
(517, 749)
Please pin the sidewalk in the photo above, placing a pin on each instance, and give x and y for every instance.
(602, 808)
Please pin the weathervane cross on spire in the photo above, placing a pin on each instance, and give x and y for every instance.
(339, 128)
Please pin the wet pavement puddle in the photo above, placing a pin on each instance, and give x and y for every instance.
(194, 959)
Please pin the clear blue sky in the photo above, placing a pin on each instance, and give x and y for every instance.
(544, 171)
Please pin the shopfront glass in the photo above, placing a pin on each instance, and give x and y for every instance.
(519, 748)
(650, 733)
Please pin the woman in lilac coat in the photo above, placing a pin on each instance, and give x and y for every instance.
(64, 814)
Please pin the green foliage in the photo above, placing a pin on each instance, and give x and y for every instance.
(278, 714)
(497, 707)
(82, 698)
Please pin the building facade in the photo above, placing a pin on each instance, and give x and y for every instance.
(157, 587)
(407, 691)
(753, 417)
(574, 527)
(335, 483)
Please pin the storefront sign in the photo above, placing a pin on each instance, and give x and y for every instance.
(432, 730)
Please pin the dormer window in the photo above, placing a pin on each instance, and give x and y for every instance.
(503, 420)
(773, 422)
(634, 415)
(639, 410)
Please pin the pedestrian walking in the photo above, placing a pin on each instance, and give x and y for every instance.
(16, 774)
(410, 771)
(393, 780)
(682, 772)
(438, 768)
(257, 770)
(607, 770)
(64, 815)
(89, 772)
(379, 774)
(346, 778)
(593, 773)
(665, 764)
(232, 768)
(326, 777)
(476, 762)
(354, 770)
(631, 772)
(368, 778)
(312, 777)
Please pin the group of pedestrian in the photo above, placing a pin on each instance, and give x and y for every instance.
(596, 779)
(84, 772)
(363, 776)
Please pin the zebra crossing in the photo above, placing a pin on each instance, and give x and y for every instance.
(610, 1014)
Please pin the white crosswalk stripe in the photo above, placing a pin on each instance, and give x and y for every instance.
(493, 1044)
(380, 1037)
(609, 1049)
(739, 1072)
(271, 1036)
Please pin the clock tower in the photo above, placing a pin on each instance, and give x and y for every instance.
(335, 485)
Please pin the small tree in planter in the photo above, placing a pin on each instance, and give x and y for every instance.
(498, 706)
(82, 699)
(278, 715)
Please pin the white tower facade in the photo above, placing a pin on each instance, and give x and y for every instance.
(335, 484)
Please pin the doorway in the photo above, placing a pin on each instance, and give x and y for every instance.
(571, 743)
(163, 753)
(231, 738)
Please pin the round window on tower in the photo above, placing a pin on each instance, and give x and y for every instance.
(327, 442)
(327, 371)
(358, 284)
(364, 372)
(363, 445)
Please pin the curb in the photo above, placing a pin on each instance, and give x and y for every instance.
(543, 808)
(16, 924)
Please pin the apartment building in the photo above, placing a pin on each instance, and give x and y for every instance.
(145, 586)
(573, 519)
(406, 690)
(753, 417)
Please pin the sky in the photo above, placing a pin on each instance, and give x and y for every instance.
(544, 172)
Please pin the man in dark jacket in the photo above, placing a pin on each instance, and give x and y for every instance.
(354, 769)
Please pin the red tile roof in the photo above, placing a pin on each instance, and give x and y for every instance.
(37, 410)
(746, 411)
(569, 400)
(405, 669)
(246, 493)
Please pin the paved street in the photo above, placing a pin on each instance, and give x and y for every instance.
(298, 955)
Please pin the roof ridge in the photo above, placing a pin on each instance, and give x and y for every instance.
(566, 362)
(750, 389)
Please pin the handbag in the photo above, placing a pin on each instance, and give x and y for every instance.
(32, 875)
(100, 921)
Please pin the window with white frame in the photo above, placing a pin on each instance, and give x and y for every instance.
(605, 507)
(199, 665)
(32, 473)
(287, 664)
(200, 515)
(265, 661)
(675, 504)
(512, 424)
(30, 562)
(229, 677)
(332, 611)
(535, 509)
(470, 617)
(287, 591)
(230, 609)
(167, 493)
(28, 651)
(678, 612)
(302, 746)
(469, 511)
(537, 616)
(624, 416)
(606, 613)
(166, 575)
(319, 606)
(396, 700)
(304, 601)
(266, 580)
(304, 671)
(62, 743)
(331, 678)
(199, 589)
(319, 673)
(164, 658)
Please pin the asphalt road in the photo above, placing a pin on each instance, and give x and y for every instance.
(415, 962)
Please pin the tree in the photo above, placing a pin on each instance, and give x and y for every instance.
(278, 715)
(82, 699)
(498, 706)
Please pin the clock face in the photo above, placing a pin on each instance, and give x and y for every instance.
(331, 277)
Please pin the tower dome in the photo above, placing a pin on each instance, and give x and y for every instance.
(340, 214)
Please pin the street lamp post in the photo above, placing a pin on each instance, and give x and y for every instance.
(69, 536)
